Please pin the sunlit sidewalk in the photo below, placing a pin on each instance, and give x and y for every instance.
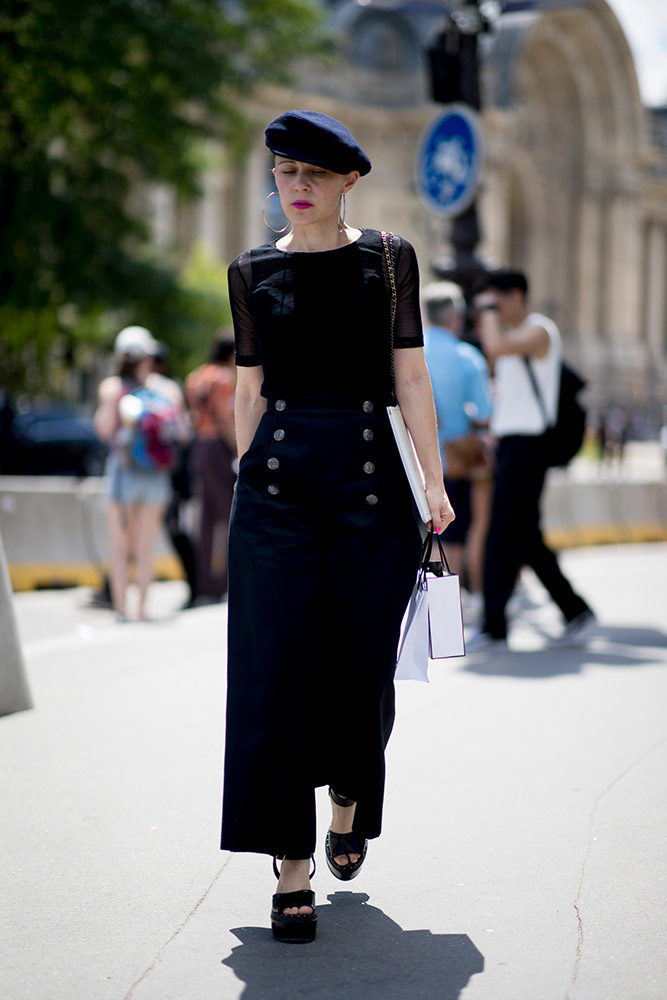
(523, 848)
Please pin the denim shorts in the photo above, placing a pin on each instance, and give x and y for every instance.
(133, 486)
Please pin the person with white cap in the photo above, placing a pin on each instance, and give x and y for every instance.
(137, 496)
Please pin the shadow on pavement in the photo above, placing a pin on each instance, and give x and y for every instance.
(359, 954)
(550, 662)
(629, 635)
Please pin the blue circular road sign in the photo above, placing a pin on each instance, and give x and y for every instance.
(449, 160)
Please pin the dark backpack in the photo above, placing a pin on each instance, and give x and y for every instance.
(565, 438)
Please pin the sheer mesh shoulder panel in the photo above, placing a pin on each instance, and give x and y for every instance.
(239, 277)
(408, 330)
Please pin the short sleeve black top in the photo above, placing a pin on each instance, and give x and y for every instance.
(319, 323)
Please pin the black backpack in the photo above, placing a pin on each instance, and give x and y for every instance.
(565, 438)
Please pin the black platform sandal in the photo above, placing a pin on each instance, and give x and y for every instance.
(296, 928)
(343, 843)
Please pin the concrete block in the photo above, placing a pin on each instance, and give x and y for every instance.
(14, 691)
(55, 531)
(55, 528)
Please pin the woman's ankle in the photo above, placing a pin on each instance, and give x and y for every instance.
(294, 874)
(342, 818)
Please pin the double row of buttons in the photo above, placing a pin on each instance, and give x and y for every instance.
(274, 463)
(279, 435)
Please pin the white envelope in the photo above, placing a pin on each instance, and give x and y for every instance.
(413, 469)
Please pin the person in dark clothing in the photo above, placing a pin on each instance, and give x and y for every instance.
(511, 333)
(209, 391)
(324, 545)
(181, 490)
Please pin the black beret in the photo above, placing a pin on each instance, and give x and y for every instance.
(313, 137)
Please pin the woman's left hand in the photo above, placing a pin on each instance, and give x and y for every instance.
(442, 512)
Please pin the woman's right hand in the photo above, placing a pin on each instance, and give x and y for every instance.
(442, 512)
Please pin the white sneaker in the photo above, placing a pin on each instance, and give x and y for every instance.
(482, 640)
(577, 631)
(472, 602)
(472, 606)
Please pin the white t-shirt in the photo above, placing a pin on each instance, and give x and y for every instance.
(516, 409)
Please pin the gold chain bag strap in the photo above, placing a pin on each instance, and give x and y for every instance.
(404, 442)
(388, 246)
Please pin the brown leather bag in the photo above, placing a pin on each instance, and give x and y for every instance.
(467, 457)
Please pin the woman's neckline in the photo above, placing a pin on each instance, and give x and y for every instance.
(315, 252)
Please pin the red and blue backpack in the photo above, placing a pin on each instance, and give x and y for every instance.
(152, 442)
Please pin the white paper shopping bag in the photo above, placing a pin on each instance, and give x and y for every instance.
(445, 616)
(413, 648)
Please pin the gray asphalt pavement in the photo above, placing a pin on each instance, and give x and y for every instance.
(523, 856)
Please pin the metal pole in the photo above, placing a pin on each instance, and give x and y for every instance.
(454, 64)
(14, 690)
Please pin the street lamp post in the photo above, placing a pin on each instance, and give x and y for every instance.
(454, 73)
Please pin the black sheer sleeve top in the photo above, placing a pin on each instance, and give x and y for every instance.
(319, 323)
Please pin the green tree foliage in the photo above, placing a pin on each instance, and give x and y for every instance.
(96, 98)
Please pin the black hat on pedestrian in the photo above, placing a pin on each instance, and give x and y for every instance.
(316, 138)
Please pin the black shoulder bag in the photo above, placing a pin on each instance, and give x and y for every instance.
(564, 439)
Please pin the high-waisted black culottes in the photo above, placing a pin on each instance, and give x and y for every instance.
(323, 553)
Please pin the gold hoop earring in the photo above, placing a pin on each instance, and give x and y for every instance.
(341, 214)
(270, 195)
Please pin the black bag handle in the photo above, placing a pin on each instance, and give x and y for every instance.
(426, 553)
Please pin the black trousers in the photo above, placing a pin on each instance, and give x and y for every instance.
(323, 554)
(515, 536)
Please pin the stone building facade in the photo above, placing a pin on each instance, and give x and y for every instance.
(574, 187)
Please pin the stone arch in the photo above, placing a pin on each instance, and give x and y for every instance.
(592, 44)
(572, 116)
(549, 129)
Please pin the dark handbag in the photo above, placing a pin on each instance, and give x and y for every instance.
(564, 439)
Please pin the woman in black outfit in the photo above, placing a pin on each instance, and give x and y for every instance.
(324, 545)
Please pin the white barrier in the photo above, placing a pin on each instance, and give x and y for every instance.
(55, 532)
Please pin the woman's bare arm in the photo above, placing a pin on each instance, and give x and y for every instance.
(526, 340)
(249, 406)
(415, 398)
(106, 414)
